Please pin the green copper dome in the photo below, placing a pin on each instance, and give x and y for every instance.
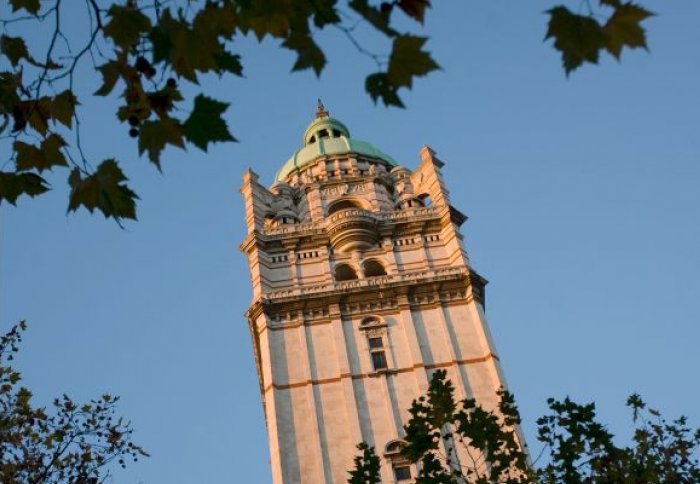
(328, 136)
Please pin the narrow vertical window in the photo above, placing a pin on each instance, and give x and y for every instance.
(377, 353)
(402, 472)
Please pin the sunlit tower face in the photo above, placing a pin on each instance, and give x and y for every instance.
(361, 288)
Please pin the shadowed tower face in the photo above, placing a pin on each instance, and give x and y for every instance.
(361, 289)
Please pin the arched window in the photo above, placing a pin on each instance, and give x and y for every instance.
(374, 329)
(343, 204)
(400, 466)
(374, 268)
(425, 200)
(344, 272)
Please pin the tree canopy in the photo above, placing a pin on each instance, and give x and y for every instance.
(71, 442)
(576, 446)
(145, 50)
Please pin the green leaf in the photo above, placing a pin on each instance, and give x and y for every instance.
(63, 108)
(227, 62)
(205, 124)
(110, 75)
(104, 190)
(126, 25)
(379, 18)
(46, 156)
(579, 38)
(154, 135)
(414, 8)
(31, 6)
(309, 55)
(407, 60)
(14, 48)
(623, 28)
(185, 49)
(12, 185)
(379, 87)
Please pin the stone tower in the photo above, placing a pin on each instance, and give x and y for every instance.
(361, 288)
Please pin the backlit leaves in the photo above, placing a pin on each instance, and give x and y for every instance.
(580, 38)
(126, 25)
(59, 443)
(154, 135)
(44, 157)
(205, 124)
(309, 54)
(623, 28)
(31, 6)
(14, 48)
(12, 185)
(379, 87)
(104, 190)
(408, 60)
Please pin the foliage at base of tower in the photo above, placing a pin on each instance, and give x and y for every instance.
(577, 447)
(72, 443)
(366, 469)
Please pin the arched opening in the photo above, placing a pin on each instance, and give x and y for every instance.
(425, 200)
(341, 205)
(270, 220)
(344, 272)
(400, 466)
(374, 268)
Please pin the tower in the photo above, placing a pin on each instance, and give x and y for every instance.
(361, 288)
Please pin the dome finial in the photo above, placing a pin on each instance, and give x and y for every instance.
(321, 110)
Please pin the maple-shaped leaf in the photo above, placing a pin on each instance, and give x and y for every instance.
(31, 6)
(227, 62)
(623, 28)
(579, 38)
(205, 124)
(14, 49)
(414, 8)
(407, 60)
(104, 190)
(126, 24)
(187, 50)
(63, 107)
(41, 158)
(378, 86)
(377, 17)
(110, 75)
(12, 185)
(309, 55)
(154, 135)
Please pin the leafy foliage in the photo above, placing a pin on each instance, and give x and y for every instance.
(366, 470)
(69, 443)
(147, 49)
(580, 38)
(578, 447)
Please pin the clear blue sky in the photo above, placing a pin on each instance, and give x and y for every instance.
(584, 204)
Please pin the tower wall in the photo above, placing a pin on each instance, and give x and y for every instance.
(352, 256)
